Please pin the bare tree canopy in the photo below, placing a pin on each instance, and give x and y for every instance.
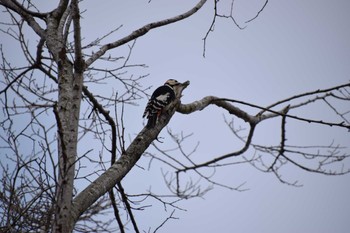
(75, 155)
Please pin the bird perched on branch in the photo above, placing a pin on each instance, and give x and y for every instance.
(160, 98)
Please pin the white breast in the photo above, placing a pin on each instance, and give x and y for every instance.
(163, 98)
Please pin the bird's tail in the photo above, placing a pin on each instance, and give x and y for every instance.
(152, 119)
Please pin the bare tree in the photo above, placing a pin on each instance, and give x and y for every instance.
(52, 94)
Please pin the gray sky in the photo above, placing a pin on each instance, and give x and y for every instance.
(292, 47)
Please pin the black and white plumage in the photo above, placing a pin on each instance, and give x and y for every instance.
(160, 98)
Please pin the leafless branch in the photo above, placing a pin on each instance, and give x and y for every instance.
(142, 31)
(259, 12)
(39, 93)
(166, 220)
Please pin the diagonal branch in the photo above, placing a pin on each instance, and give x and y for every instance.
(125, 163)
(28, 16)
(116, 211)
(257, 15)
(127, 206)
(142, 31)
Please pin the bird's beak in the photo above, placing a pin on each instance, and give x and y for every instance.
(186, 83)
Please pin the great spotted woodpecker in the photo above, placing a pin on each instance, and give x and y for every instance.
(160, 98)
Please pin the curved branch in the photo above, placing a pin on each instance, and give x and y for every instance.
(142, 31)
(254, 120)
(224, 103)
(208, 100)
(109, 119)
(319, 91)
(233, 154)
(280, 113)
(19, 76)
(27, 11)
(320, 171)
(257, 15)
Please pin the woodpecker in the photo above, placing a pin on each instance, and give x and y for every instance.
(160, 98)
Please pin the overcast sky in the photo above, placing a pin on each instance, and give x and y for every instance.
(292, 47)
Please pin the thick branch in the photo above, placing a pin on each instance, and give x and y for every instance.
(121, 167)
(28, 16)
(225, 103)
(208, 100)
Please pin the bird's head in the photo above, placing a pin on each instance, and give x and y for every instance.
(177, 86)
(172, 82)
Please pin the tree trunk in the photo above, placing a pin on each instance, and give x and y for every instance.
(67, 116)
(70, 82)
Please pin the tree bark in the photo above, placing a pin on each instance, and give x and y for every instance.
(70, 83)
(127, 161)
